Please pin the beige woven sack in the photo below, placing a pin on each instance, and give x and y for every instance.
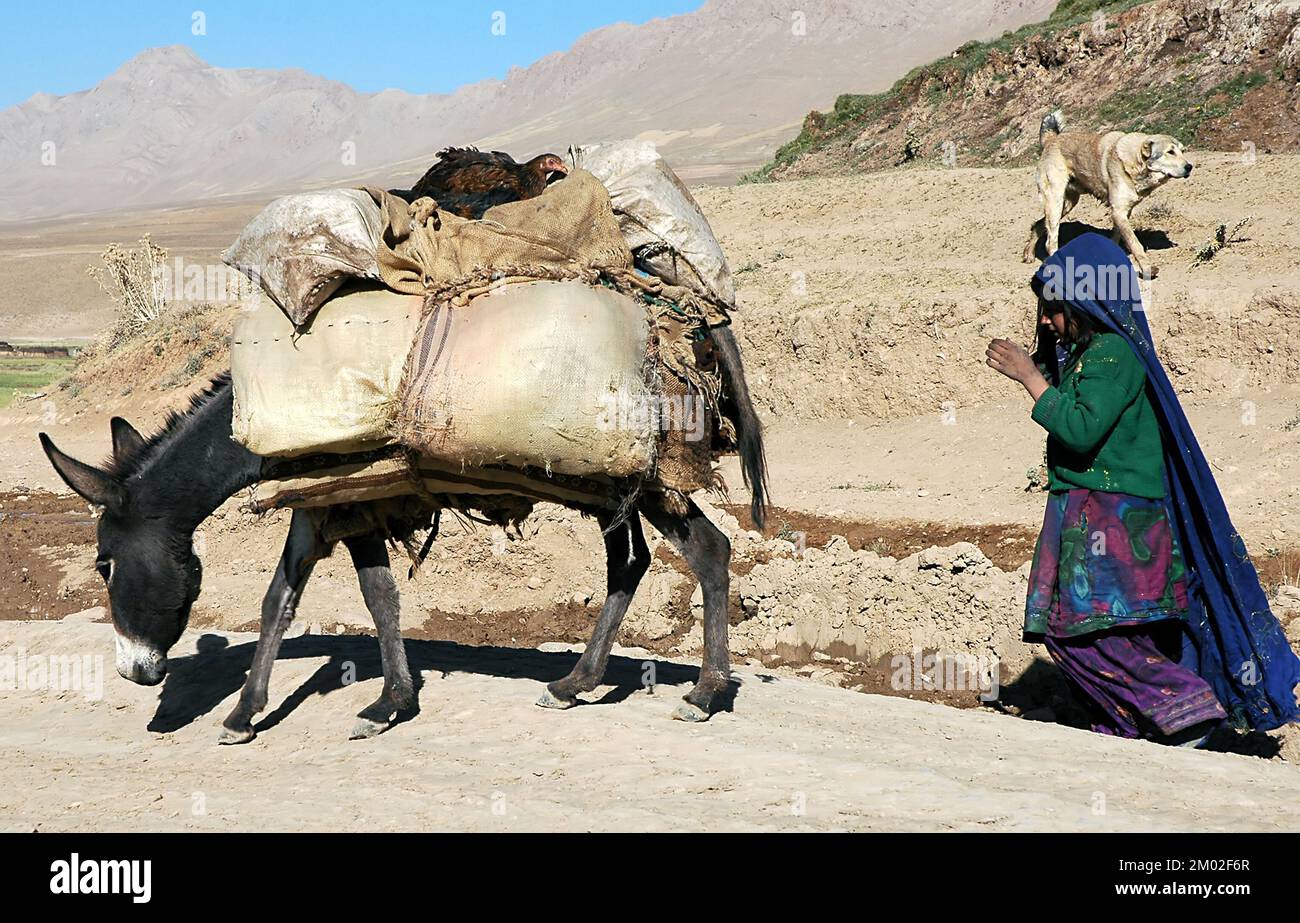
(331, 388)
(550, 375)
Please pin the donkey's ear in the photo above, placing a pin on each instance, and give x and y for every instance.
(94, 485)
(126, 438)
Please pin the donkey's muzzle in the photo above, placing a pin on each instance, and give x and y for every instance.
(139, 662)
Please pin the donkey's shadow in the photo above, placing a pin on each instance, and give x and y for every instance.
(198, 683)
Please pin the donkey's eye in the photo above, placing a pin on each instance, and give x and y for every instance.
(105, 568)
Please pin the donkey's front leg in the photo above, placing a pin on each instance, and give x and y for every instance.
(627, 559)
(302, 549)
(379, 590)
(708, 552)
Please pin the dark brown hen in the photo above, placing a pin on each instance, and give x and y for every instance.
(467, 182)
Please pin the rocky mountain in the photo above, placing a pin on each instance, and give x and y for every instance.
(1218, 74)
(719, 88)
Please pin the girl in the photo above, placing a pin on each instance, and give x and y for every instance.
(1140, 588)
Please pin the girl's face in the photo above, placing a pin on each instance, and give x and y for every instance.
(1052, 316)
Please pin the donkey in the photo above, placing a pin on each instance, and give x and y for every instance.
(155, 492)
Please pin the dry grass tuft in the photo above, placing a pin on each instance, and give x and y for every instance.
(134, 278)
(1221, 240)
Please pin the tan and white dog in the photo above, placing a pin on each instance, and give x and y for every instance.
(1119, 169)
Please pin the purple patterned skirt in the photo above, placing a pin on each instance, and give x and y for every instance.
(1107, 591)
(1102, 560)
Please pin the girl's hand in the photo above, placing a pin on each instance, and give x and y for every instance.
(1012, 361)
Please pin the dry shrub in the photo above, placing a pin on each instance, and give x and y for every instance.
(134, 279)
(159, 339)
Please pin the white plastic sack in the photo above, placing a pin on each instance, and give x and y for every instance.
(655, 207)
(332, 388)
(302, 248)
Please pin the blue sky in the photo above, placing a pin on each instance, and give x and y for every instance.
(61, 46)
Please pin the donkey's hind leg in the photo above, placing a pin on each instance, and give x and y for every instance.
(626, 561)
(708, 552)
(302, 549)
(379, 589)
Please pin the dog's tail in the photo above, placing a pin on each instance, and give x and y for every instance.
(1053, 124)
(749, 431)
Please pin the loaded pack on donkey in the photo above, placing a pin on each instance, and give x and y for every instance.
(500, 335)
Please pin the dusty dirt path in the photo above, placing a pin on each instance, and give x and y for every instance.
(793, 755)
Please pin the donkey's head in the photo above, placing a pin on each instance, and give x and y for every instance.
(145, 555)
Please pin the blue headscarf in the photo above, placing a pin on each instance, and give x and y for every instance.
(1234, 641)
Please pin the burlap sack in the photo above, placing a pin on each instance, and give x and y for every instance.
(550, 375)
(331, 388)
(302, 248)
(567, 232)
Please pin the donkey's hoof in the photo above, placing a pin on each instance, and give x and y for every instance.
(548, 700)
(365, 728)
(685, 711)
(236, 735)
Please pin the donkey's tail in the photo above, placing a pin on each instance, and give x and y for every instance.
(749, 430)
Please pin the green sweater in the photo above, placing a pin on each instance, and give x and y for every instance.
(1102, 431)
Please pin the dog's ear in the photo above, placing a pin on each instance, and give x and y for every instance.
(1147, 147)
